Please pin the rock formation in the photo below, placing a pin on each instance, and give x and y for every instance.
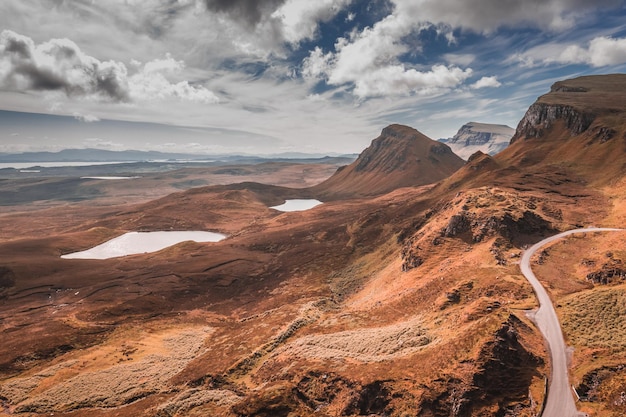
(473, 137)
(579, 123)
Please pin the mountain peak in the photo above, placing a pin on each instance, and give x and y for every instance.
(400, 157)
(397, 148)
(400, 131)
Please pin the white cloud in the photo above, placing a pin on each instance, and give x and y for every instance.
(371, 49)
(602, 51)
(300, 18)
(369, 61)
(60, 65)
(397, 80)
(486, 82)
(86, 118)
(599, 52)
(317, 64)
(150, 83)
(459, 59)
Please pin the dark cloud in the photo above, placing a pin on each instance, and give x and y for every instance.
(249, 12)
(110, 84)
(58, 65)
(42, 79)
(19, 46)
(489, 15)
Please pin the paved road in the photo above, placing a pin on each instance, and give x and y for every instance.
(560, 401)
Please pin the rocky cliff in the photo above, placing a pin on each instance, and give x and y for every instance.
(577, 105)
(580, 123)
(485, 137)
(541, 117)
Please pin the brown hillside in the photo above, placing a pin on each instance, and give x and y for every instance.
(400, 157)
(409, 303)
(580, 124)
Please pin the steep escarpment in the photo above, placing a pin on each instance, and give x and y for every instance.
(541, 117)
(580, 123)
(400, 157)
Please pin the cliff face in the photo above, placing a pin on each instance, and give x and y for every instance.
(580, 123)
(584, 104)
(541, 117)
(484, 137)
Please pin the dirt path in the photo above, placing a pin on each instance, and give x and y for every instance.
(560, 400)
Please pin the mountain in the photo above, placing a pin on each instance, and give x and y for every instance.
(400, 157)
(580, 124)
(484, 137)
(402, 303)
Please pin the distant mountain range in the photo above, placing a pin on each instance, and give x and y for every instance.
(95, 155)
(102, 155)
(485, 137)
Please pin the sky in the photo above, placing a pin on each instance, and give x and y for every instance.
(274, 76)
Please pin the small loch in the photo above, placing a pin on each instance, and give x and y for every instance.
(142, 242)
(297, 205)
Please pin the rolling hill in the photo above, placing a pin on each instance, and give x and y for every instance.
(400, 296)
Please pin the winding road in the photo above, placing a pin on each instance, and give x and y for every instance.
(560, 399)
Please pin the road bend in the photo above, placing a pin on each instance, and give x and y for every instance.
(560, 399)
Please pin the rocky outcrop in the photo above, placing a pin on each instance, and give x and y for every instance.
(590, 389)
(474, 228)
(472, 218)
(507, 369)
(601, 386)
(458, 224)
(7, 280)
(540, 117)
(611, 271)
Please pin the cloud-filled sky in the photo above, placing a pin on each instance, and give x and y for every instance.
(270, 76)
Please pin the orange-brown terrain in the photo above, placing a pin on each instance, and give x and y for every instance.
(400, 296)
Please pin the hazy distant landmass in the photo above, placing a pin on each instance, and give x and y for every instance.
(103, 155)
(95, 155)
(26, 132)
(485, 137)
